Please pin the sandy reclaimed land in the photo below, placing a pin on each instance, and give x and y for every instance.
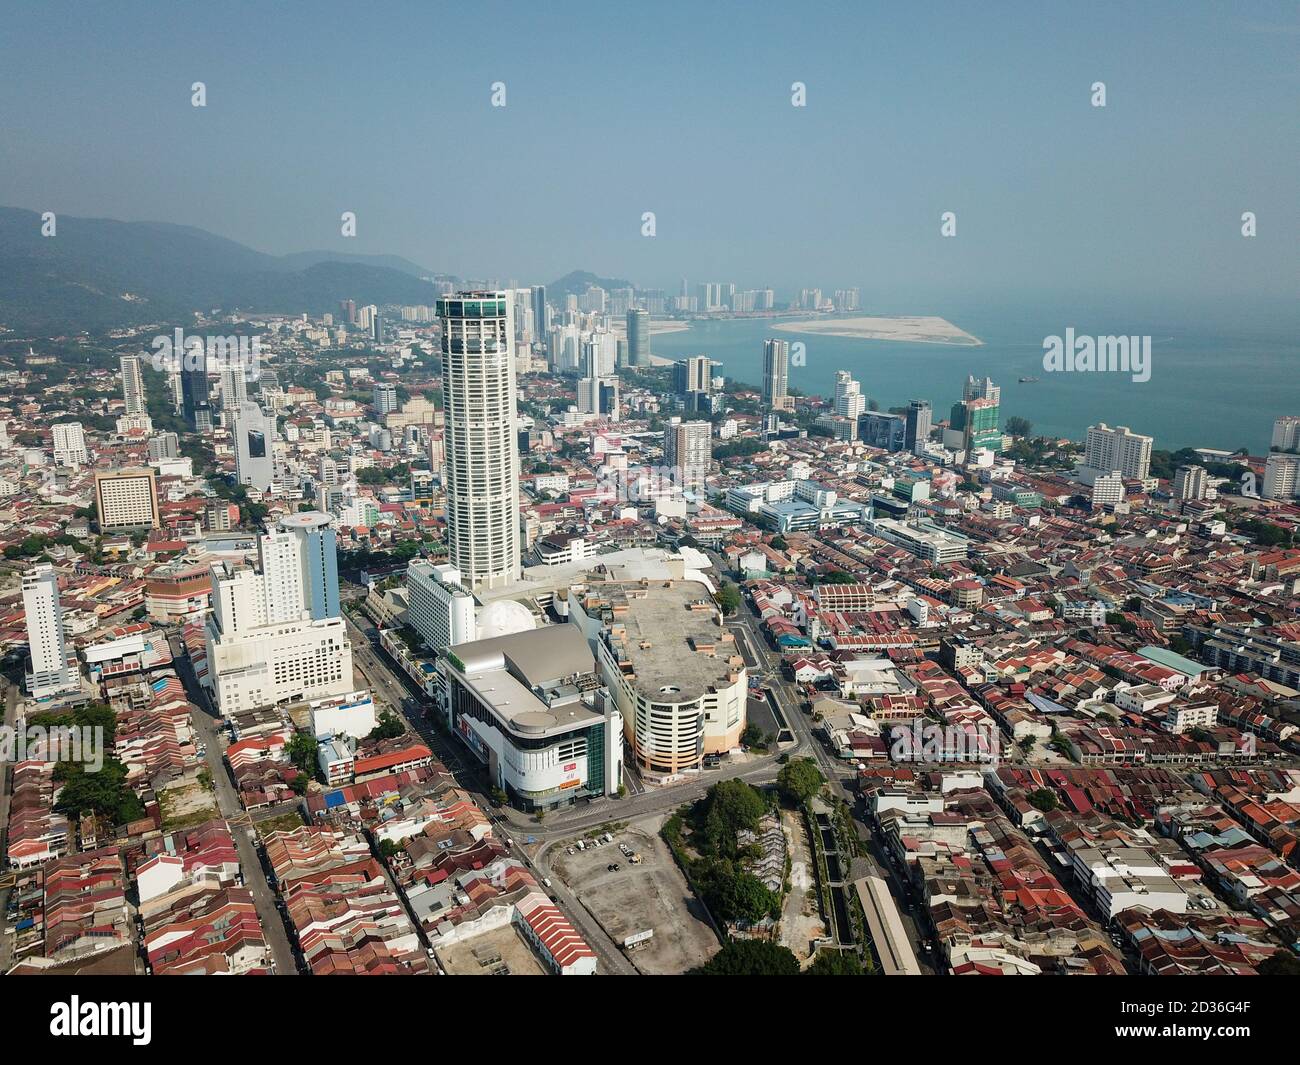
(926, 330)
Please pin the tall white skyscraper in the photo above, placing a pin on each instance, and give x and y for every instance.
(1282, 476)
(976, 388)
(133, 385)
(50, 673)
(479, 395)
(1286, 433)
(849, 400)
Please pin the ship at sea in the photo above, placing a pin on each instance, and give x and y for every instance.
(1028, 380)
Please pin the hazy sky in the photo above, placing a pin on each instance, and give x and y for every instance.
(684, 109)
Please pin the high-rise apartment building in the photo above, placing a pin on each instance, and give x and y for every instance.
(638, 337)
(385, 399)
(975, 388)
(133, 394)
(1190, 482)
(479, 393)
(164, 446)
(688, 449)
(194, 387)
(1108, 449)
(1281, 476)
(126, 499)
(776, 374)
(849, 400)
(50, 673)
(70, 444)
(1286, 433)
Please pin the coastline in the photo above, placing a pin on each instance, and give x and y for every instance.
(909, 329)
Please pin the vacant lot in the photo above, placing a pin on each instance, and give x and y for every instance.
(652, 895)
(499, 952)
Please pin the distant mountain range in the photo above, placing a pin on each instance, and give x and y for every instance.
(96, 273)
(577, 282)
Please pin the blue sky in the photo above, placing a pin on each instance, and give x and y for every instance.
(684, 109)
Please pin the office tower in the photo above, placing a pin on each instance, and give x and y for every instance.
(164, 446)
(638, 337)
(194, 386)
(385, 399)
(275, 634)
(541, 312)
(254, 435)
(69, 444)
(849, 400)
(973, 423)
(478, 373)
(318, 555)
(133, 394)
(50, 673)
(1190, 482)
(776, 374)
(885, 431)
(348, 311)
(599, 355)
(918, 425)
(1281, 476)
(1286, 433)
(377, 328)
(126, 499)
(688, 449)
(1120, 449)
(439, 607)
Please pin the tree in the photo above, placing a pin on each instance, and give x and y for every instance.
(1042, 799)
(750, 957)
(834, 963)
(302, 752)
(799, 780)
(1283, 963)
(1018, 426)
(390, 726)
(742, 897)
(729, 806)
(729, 598)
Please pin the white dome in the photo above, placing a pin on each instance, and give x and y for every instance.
(504, 618)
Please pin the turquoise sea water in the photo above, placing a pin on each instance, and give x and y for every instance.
(1211, 386)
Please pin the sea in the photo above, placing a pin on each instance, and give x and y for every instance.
(1215, 382)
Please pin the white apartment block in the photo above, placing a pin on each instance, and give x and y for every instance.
(50, 673)
(1281, 476)
(70, 444)
(439, 607)
(126, 499)
(1121, 449)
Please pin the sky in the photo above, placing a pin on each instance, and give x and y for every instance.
(615, 109)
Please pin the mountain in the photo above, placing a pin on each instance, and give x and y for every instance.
(577, 282)
(97, 273)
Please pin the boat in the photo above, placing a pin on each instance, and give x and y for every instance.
(1028, 380)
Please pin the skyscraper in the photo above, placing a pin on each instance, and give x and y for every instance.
(1190, 482)
(318, 556)
(688, 449)
(479, 392)
(541, 315)
(1120, 449)
(849, 400)
(69, 444)
(918, 425)
(50, 673)
(194, 387)
(981, 389)
(254, 435)
(638, 337)
(1286, 433)
(776, 374)
(133, 385)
